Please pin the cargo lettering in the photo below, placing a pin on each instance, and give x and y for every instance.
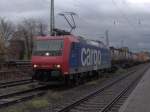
(90, 57)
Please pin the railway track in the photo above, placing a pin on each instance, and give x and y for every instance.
(107, 97)
(17, 97)
(15, 83)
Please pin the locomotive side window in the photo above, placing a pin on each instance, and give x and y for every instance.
(48, 47)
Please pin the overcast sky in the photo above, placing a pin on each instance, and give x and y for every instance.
(127, 20)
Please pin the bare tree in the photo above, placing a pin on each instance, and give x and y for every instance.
(28, 29)
(6, 29)
(6, 32)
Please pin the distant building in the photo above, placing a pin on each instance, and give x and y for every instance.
(125, 49)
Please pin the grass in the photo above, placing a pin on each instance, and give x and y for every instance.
(24, 87)
(53, 96)
(121, 70)
(92, 82)
(20, 88)
(36, 104)
(29, 106)
(14, 109)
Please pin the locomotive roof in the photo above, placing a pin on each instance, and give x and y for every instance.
(73, 39)
(96, 43)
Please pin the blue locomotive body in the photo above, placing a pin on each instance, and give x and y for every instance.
(89, 56)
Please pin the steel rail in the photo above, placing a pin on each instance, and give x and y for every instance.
(67, 108)
(121, 94)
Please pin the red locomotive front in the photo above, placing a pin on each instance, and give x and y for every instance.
(50, 57)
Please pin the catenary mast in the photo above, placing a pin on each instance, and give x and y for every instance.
(52, 18)
(107, 37)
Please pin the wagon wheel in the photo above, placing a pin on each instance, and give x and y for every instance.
(68, 81)
(45, 78)
(77, 80)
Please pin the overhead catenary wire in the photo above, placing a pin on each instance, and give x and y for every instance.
(129, 22)
(87, 22)
(71, 24)
(138, 21)
(124, 16)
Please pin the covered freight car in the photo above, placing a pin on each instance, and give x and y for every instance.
(143, 57)
(56, 58)
(121, 57)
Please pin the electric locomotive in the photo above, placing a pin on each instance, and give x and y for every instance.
(68, 58)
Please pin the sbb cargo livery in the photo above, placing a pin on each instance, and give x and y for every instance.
(68, 58)
(90, 57)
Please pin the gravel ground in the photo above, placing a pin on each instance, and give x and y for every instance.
(13, 75)
(9, 90)
(59, 97)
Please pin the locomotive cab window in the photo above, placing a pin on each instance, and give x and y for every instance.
(48, 47)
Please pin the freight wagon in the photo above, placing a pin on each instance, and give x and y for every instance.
(121, 57)
(143, 57)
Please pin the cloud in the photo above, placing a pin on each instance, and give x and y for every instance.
(124, 20)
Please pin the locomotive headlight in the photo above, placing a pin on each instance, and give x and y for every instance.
(47, 54)
(35, 66)
(58, 66)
